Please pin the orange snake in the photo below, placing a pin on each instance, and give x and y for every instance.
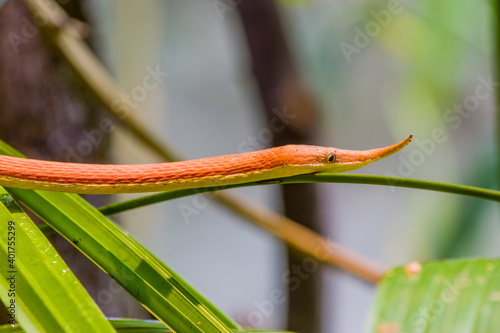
(260, 165)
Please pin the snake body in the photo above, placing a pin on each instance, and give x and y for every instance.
(260, 165)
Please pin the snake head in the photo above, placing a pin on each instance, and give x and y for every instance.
(304, 159)
(340, 160)
(314, 159)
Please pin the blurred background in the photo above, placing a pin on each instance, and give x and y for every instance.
(350, 74)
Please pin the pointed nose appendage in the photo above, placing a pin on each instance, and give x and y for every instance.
(355, 159)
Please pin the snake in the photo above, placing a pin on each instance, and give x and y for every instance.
(261, 165)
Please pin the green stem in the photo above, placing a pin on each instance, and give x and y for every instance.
(471, 191)
(160, 197)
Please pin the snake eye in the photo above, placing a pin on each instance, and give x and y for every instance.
(331, 158)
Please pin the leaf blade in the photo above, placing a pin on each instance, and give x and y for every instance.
(445, 296)
(141, 273)
(42, 288)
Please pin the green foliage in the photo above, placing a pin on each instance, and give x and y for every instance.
(134, 326)
(139, 272)
(409, 301)
(446, 296)
(38, 289)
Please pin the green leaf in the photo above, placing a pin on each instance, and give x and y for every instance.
(137, 326)
(153, 326)
(139, 272)
(38, 289)
(445, 296)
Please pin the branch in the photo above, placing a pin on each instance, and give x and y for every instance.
(66, 39)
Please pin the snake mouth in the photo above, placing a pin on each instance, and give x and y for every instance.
(354, 159)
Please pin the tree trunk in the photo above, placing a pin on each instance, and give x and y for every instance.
(282, 91)
(47, 114)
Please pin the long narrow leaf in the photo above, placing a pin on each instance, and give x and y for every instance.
(37, 287)
(138, 326)
(152, 326)
(146, 278)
